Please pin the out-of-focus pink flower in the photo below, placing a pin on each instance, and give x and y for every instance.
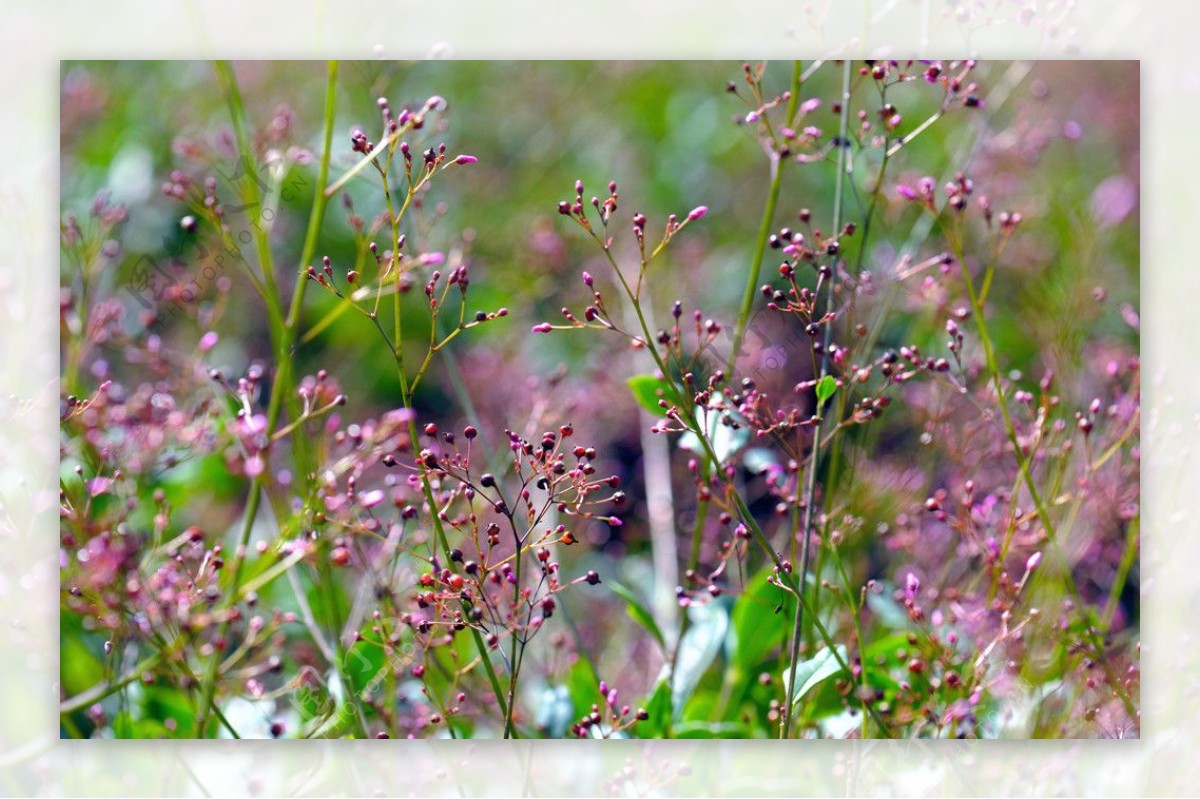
(1113, 200)
(370, 499)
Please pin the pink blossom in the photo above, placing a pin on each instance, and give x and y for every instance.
(370, 499)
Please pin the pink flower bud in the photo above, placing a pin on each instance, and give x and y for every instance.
(544, 327)
(466, 159)
(1033, 561)
(371, 498)
(697, 212)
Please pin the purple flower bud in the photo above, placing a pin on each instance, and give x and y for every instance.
(906, 191)
(913, 585)
(544, 327)
(697, 212)
(466, 159)
(208, 341)
(1033, 561)
(587, 279)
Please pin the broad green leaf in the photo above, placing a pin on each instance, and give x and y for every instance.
(363, 663)
(583, 685)
(757, 629)
(712, 729)
(658, 708)
(79, 668)
(162, 702)
(125, 726)
(648, 390)
(697, 650)
(826, 387)
(638, 612)
(814, 671)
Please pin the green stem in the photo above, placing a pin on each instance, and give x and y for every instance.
(810, 489)
(764, 233)
(406, 397)
(106, 689)
(1128, 558)
(282, 335)
(1043, 510)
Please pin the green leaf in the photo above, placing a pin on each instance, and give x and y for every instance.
(658, 708)
(162, 702)
(826, 388)
(697, 650)
(757, 630)
(362, 663)
(648, 390)
(815, 670)
(79, 668)
(638, 612)
(709, 729)
(583, 685)
(125, 726)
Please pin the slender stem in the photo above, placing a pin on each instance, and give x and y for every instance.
(1043, 511)
(282, 334)
(107, 688)
(209, 684)
(406, 397)
(764, 232)
(810, 489)
(786, 578)
(250, 193)
(1128, 558)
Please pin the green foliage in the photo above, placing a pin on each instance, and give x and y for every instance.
(648, 390)
(756, 630)
(698, 649)
(638, 612)
(826, 388)
(816, 670)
